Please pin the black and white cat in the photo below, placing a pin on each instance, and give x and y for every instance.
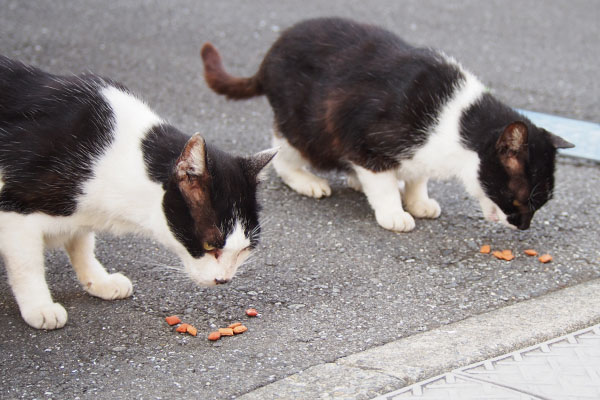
(358, 98)
(80, 154)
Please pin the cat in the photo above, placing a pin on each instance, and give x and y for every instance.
(81, 154)
(357, 98)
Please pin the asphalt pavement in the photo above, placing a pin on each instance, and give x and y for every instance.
(329, 283)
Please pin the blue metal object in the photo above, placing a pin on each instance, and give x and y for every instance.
(584, 135)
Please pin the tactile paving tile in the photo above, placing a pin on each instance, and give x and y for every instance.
(566, 368)
(453, 387)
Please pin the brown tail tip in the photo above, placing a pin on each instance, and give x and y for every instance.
(221, 82)
(211, 57)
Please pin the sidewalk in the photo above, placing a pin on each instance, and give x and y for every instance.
(567, 367)
(489, 340)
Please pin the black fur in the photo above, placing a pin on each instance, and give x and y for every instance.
(51, 127)
(232, 190)
(343, 91)
(481, 126)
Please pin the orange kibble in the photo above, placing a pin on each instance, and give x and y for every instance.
(192, 330)
(239, 329)
(530, 252)
(182, 328)
(507, 255)
(251, 312)
(235, 325)
(545, 258)
(226, 331)
(498, 255)
(172, 320)
(503, 255)
(485, 249)
(214, 336)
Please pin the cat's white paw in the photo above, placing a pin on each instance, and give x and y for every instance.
(428, 208)
(353, 182)
(48, 316)
(309, 185)
(115, 286)
(399, 221)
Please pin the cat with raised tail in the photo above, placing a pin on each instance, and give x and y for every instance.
(356, 97)
(81, 154)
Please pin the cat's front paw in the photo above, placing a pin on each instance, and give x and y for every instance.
(399, 221)
(428, 208)
(115, 286)
(47, 316)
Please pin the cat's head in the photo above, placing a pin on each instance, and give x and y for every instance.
(517, 173)
(212, 210)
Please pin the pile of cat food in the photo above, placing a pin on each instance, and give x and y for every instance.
(233, 329)
(182, 328)
(508, 255)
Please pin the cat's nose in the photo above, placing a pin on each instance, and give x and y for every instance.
(524, 225)
(221, 281)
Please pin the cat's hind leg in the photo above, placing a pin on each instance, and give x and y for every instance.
(352, 181)
(417, 201)
(23, 253)
(381, 189)
(291, 167)
(92, 275)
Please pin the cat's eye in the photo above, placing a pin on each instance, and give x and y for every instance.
(208, 247)
(516, 203)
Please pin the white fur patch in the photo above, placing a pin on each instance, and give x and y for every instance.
(120, 192)
(291, 167)
(444, 156)
(208, 270)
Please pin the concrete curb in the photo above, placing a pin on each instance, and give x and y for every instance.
(389, 367)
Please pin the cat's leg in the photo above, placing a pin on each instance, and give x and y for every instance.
(92, 275)
(381, 189)
(23, 252)
(417, 201)
(291, 167)
(353, 182)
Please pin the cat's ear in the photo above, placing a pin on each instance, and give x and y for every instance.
(511, 146)
(558, 142)
(192, 161)
(256, 164)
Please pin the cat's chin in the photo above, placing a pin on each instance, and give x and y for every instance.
(210, 275)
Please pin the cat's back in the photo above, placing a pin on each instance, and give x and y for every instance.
(330, 36)
(51, 129)
(336, 52)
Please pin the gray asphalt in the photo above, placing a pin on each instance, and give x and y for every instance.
(327, 280)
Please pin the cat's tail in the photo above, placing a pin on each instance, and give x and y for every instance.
(221, 82)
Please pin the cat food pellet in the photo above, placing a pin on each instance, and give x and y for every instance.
(182, 328)
(235, 325)
(508, 255)
(545, 258)
(226, 331)
(251, 312)
(503, 255)
(530, 252)
(485, 249)
(192, 330)
(214, 336)
(173, 320)
(240, 329)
